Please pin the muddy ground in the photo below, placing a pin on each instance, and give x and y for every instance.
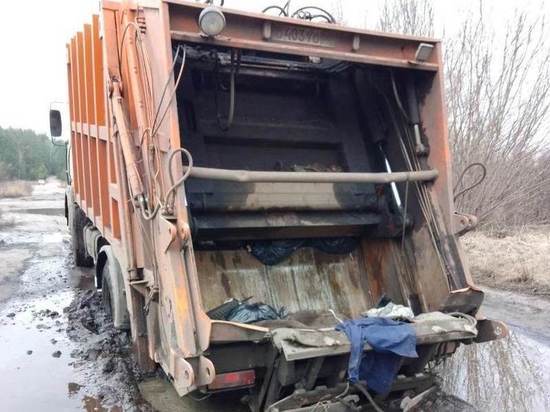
(59, 354)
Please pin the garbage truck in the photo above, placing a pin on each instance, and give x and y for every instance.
(266, 199)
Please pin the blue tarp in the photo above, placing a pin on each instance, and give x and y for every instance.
(390, 340)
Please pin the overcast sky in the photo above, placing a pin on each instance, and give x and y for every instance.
(33, 34)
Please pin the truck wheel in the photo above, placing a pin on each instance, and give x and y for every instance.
(113, 295)
(77, 221)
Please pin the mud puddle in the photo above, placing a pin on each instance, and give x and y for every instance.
(35, 356)
(58, 350)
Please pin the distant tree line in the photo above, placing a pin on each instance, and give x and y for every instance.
(26, 155)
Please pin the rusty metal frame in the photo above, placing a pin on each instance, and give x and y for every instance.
(256, 31)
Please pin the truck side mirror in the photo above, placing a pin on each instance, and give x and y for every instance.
(55, 123)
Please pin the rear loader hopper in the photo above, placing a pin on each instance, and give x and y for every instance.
(267, 202)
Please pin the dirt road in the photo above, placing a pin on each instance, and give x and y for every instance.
(57, 352)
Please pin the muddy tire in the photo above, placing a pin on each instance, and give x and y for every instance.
(113, 295)
(77, 221)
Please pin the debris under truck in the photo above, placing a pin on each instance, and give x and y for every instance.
(244, 184)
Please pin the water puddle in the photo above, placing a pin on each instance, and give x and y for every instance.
(39, 368)
(44, 211)
(35, 358)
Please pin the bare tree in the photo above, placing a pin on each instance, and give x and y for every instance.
(498, 97)
(338, 11)
(407, 17)
(499, 100)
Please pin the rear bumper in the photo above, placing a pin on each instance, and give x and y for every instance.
(431, 329)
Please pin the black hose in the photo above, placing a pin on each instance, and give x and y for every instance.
(235, 64)
(282, 11)
(365, 392)
(459, 181)
(398, 99)
(414, 114)
(304, 13)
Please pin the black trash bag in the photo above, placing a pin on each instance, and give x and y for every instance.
(222, 311)
(336, 245)
(271, 252)
(255, 312)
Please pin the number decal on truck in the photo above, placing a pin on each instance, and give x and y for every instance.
(300, 35)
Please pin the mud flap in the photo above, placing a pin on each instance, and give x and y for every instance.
(488, 330)
(467, 300)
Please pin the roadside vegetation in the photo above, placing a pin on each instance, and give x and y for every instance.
(15, 188)
(26, 156)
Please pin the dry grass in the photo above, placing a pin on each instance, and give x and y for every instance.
(511, 259)
(16, 188)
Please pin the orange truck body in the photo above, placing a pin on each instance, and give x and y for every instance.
(128, 123)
